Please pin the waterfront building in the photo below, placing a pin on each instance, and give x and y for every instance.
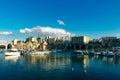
(52, 40)
(40, 40)
(47, 38)
(14, 42)
(43, 46)
(94, 44)
(80, 40)
(118, 42)
(78, 43)
(28, 46)
(20, 45)
(109, 41)
(109, 38)
(66, 38)
(31, 39)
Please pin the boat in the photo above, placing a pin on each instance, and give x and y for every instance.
(39, 52)
(117, 52)
(109, 54)
(97, 53)
(78, 52)
(117, 55)
(92, 52)
(12, 52)
(103, 53)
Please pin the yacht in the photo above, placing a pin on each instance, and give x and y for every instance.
(12, 52)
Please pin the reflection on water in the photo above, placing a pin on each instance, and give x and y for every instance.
(60, 61)
(11, 58)
(111, 60)
(60, 66)
(48, 61)
(86, 61)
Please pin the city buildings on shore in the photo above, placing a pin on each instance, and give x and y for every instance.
(83, 43)
(63, 43)
(47, 43)
(31, 43)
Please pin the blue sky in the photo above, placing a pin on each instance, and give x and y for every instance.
(94, 18)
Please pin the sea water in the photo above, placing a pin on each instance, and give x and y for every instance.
(59, 66)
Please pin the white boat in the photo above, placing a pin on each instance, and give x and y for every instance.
(40, 52)
(12, 52)
(78, 52)
(98, 53)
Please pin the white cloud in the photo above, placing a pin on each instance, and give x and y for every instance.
(26, 30)
(6, 33)
(46, 31)
(60, 22)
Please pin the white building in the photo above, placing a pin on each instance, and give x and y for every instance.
(15, 41)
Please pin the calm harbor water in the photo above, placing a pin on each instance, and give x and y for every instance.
(59, 66)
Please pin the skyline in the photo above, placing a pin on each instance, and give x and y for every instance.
(21, 18)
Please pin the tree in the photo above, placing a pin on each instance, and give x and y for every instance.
(9, 46)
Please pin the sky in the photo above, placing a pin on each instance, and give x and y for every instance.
(20, 19)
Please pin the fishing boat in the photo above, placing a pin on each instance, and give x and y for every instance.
(12, 52)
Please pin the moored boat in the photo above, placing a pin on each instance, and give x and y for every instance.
(12, 52)
(39, 52)
(109, 54)
(92, 52)
(117, 52)
(78, 52)
(117, 55)
(103, 53)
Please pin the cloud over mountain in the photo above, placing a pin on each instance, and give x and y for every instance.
(6, 33)
(45, 31)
